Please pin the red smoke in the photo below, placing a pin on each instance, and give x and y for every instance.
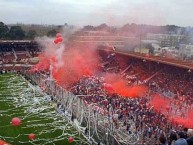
(76, 62)
(43, 64)
(186, 121)
(80, 60)
(163, 104)
(120, 86)
(160, 103)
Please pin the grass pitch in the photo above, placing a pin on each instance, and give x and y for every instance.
(17, 99)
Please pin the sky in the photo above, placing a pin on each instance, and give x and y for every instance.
(96, 12)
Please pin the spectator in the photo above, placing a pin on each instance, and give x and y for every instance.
(162, 140)
(172, 138)
(190, 136)
(181, 140)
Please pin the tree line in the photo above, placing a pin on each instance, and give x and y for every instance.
(141, 29)
(16, 32)
(19, 32)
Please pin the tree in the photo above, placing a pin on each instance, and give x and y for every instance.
(66, 25)
(102, 27)
(52, 33)
(172, 28)
(16, 33)
(31, 34)
(89, 28)
(3, 30)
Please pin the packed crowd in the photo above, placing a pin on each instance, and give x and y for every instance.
(136, 114)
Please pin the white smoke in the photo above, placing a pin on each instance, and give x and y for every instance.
(56, 51)
(46, 44)
(68, 31)
(59, 55)
(52, 50)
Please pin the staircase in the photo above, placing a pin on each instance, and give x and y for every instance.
(14, 53)
(27, 52)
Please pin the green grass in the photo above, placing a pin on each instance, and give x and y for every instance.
(17, 99)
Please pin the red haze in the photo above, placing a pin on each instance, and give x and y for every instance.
(159, 103)
(43, 64)
(163, 105)
(76, 62)
(187, 121)
(120, 86)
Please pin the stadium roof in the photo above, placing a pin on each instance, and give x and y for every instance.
(164, 60)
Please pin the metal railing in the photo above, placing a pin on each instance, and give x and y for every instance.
(96, 127)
